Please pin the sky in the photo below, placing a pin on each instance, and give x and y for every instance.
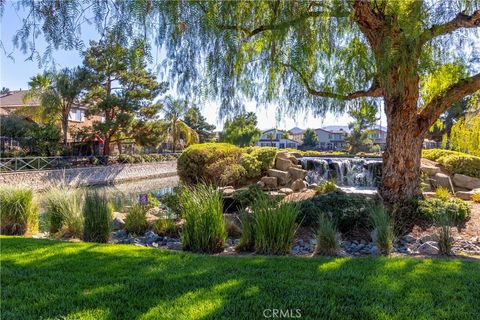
(16, 70)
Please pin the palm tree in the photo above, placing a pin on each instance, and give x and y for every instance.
(56, 93)
(271, 136)
(173, 111)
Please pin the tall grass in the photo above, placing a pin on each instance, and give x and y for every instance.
(63, 208)
(18, 210)
(247, 241)
(383, 229)
(445, 239)
(274, 226)
(136, 220)
(97, 214)
(443, 193)
(204, 228)
(328, 239)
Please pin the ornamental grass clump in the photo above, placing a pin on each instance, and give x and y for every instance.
(445, 240)
(382, 229)
(97, 215)
(136, 220)
(273, 226)
(328, 239)
(63, 208)
(204, 227)
(247, 242)
(442, 193)
(18, 210)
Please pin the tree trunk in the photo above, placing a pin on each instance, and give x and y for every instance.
(401, 159)
(106, 146)
(65, 131)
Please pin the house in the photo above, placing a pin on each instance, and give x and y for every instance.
(332, 137)
(277, 138)
(378, 135)
(296, 134)
(12, 102)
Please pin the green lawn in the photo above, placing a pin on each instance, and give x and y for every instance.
(52, 280)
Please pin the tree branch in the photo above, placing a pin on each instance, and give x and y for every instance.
(374, 91)
(427, 115)
(461, 20)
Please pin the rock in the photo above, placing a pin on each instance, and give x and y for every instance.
(409, 238)
(443, 180)
(295, 250)
(428, 248)
(283, 164)
(297, 173)
(298, 185)
(373, 235)
(466, 182)
(301, 242)
(283, 178)
(430, 170)
(283, 155)
(174, 245)
(312, 186)
(118, 223)
(150, 237)
(428, 238)
(293, 160)
(261, 184)
(464, 195)
(269, 182)
(427, 195)
(120, 234)
(296, 155)
(287, 191)
(228, 192)
(373, 249)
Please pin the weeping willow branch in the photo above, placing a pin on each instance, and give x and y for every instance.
(374, 91)
(429, 113)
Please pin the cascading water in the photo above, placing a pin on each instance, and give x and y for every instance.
(347, 172)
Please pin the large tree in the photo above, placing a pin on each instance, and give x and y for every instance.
(242, 130)
(364, 117)
(195, 120)
(57, 93)
(315, 55)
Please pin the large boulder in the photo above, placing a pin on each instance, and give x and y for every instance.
(293, 159)
(466, 182)
(283, 164)
(287, 191)
(118, 223)
(269, 182)
(464, 195)
(443, 180)
(298, 185)
(297, 173)
(429, 247)
(283, 155)
(430, 170)
(283, 177)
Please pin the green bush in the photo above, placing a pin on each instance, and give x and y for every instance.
(382, 229)
(193, 162)
(247, 242)
(225, 172)
(326, 187)
(63, 208)
(136, 220)
(349, 212)
(265, 155)
(138, 158)
(328, 239)
(125, 158)
(166, 227)
(442, 193)
(444, 229)
(252, 166)
(461, 164)
(456, 208)
(172, 201)
(204, 228)
(476, 197)
(435, 154)
(97, 216)
(153, 202)
(18, 210)
(247, 197)
(274, 226)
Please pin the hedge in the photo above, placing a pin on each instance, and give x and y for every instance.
(223, 164)
(454, 161)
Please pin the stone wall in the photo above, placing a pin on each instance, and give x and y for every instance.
(99, 175)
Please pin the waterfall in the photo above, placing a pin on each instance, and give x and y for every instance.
(347, 172)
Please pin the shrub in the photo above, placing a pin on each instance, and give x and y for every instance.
(462, 164)
(442, 193)
(247, 197)
(18, 210)
(328, 239)
(172, 201)
(194, 160)
(233, 230)
(97, 215)
(274, 226)
(435, 154)
(457, 209)
(125, 158)
(137, 158)
(247, 242)
(326, 187)
(136, 220)
(252, 166)
(204, 228)
(153, 202)
(445, 239)
(265, 155)
(349, 212)
(382, 229)
(476, 197)
(63, 208)
(165, 227)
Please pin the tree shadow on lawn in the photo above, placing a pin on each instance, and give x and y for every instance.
(42, 278)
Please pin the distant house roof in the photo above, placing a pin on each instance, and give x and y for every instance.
(272, 129)
(15, 99)
(296, 130)
(378, 127)
(336, 129)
